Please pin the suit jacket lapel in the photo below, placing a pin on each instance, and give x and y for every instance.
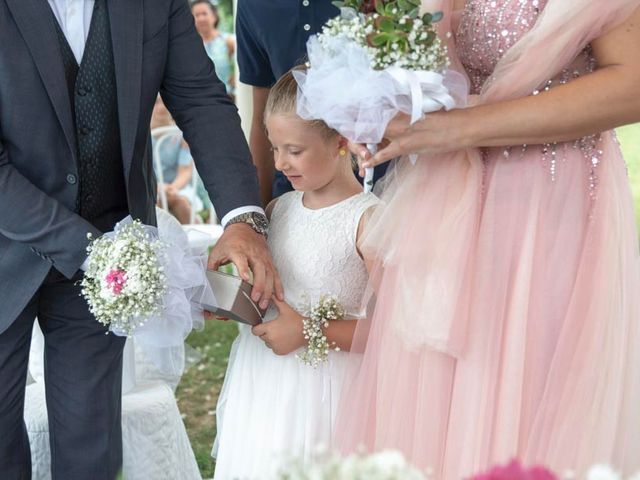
(38, 30)
(126, 17)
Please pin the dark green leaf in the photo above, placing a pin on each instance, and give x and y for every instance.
(406, 26)
(385, 24)
(427, 18)
(388, 9)
(431, 36)
(414, 13)
(405, 5)
(380, 39)
(380, 7)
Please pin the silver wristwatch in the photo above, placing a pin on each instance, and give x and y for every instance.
(257, 221)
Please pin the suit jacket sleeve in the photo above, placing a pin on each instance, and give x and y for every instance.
(208, 118)
(30, 216)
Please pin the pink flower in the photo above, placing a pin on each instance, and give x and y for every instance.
(116, 280)
(515, 471)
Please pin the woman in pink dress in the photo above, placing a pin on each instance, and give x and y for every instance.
(507, 321)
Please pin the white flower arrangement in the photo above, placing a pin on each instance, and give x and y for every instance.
(318, 317)
(391, 465)
(391, 37)
(386, 465)
(125, 281)
(376, 59)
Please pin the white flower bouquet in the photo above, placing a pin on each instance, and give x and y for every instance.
(377, 59)
(125, 279)
(387, 465)
(145, 282)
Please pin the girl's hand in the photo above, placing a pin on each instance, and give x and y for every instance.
(283, 335)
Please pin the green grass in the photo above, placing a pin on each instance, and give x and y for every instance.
(198, 392)
(630, 141)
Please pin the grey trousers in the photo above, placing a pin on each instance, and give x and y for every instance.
(83, 375)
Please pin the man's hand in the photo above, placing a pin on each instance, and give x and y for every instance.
(249, 252)
(284, 334)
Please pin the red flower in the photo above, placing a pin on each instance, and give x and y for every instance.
(515, 471)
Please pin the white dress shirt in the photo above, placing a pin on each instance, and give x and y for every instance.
(74, 17)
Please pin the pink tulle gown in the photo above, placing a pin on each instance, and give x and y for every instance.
(507, 322)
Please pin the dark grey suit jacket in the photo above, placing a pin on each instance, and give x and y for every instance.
(156, 48)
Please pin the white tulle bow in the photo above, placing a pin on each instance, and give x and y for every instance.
(344, 91)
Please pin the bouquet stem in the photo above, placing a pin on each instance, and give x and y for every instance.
(368, 172)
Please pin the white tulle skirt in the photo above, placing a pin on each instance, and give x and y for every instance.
(273, 409)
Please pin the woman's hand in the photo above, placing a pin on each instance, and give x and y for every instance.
(438, 132)
(284, 334)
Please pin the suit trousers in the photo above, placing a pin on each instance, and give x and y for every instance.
(83, 383)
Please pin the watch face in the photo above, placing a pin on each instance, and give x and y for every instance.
(260, 221)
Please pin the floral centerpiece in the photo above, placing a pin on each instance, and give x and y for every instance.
(376, 59)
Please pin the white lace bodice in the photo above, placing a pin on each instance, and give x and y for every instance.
(315, 250)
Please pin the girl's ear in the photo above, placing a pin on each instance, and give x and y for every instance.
(343, 143)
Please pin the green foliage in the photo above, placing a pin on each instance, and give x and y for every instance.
(630, 140)
(394, 26)
(382, 7)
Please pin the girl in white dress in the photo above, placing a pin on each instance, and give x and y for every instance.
(273, 407)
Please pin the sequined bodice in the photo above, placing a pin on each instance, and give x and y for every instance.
(486, 31)
(489, 28)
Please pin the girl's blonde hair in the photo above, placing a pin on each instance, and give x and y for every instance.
(282, 100)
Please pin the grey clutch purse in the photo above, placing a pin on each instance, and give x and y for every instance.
(233, 296)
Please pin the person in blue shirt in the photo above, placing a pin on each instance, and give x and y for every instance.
(272, 39)
(176, 164)
(220, 46)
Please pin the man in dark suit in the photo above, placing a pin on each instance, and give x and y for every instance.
(78, 81)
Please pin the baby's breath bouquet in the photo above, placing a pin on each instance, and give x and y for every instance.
(392, 33)
(376, 59)
(318, 317)
(125, 280)
(146, 282)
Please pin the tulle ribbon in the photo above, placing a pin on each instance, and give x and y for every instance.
(344, 91)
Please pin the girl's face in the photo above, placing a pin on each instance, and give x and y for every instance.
(204, 17)
(308, 159)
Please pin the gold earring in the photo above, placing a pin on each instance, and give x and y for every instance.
(342, 152)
